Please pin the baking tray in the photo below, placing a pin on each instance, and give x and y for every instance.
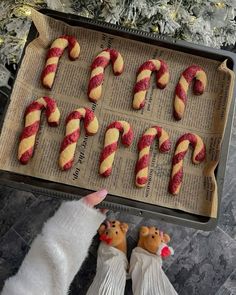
(53, 189)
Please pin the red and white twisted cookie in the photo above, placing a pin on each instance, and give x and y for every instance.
(56, 50)
(111, 144)
(182, 87)
(97, 75)
(143, 80)
(144, 145)
(69, 142)
(32, 121)
(181, 149)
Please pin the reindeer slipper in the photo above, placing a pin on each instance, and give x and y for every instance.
(146, 263)
(112, 262)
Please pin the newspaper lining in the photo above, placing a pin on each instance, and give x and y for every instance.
(205, 115)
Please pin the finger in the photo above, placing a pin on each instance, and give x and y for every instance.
(103, 210)
(95, 198)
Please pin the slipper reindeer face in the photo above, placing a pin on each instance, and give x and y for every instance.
(151, 239)
(113, 233)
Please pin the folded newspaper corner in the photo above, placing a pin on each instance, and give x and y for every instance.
(205, 115)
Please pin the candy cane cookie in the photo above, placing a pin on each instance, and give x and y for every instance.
(72, 135)
(144, 145)
(111, 144)
(55, 52)
(32, 121)
(182, 87)
(97, 75)
(143, 80)
(199, 153)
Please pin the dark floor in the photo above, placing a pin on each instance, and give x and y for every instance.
(204, 262)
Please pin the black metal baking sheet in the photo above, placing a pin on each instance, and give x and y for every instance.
(53, 189)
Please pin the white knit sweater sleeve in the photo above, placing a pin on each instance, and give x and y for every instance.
(57, 253)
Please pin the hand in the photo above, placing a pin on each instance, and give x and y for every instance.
(96, 198)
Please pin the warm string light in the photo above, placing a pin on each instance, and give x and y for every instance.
(220, 5)
(128, 23)
(155, 29)
(1, 41)
(174, 13)
(85, 13)
(22, 11)
(192, 19)
(14, 60)
(23, 40)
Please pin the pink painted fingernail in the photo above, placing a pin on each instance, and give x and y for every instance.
(104, 210)
(102, 193)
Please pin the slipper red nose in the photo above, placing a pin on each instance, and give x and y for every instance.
(105, 239)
